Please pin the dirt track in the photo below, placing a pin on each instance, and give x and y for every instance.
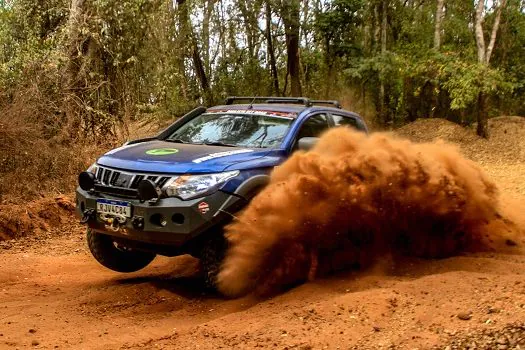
(54, 295)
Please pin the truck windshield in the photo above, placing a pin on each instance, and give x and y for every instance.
(236, 130)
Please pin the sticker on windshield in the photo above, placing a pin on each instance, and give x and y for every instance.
(162, 151)
(220, 155)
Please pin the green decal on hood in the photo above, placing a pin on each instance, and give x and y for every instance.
(162, 151)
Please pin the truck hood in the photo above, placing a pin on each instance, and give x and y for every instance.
(168, 157)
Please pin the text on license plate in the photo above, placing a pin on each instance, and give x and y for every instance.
(105, 206)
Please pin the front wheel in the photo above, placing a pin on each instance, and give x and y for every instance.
(212, 256)
(114, 256)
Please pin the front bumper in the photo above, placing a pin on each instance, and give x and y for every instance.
(184, 219)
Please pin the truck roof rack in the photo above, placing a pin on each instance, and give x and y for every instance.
(335, 103)
(269, 99)
(285, 100)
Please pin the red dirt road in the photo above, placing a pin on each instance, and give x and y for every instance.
(54, 295)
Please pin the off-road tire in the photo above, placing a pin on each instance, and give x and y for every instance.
(212, 255)
(107, 254)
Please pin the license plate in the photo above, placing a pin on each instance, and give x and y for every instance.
(110, 207)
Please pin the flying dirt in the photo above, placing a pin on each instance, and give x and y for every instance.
(352, 200)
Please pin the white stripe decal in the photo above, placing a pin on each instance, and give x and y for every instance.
(220, 155)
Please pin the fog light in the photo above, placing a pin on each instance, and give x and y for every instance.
(148, 190)
(86, 181)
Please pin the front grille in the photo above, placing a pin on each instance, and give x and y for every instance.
(117, 191)
(117, 182)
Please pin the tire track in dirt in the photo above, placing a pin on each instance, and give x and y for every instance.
(413, 305)
(69, 301)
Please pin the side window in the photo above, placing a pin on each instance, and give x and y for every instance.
(340, 120)
(314, 126)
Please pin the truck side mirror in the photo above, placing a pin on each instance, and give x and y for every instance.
(307, 143)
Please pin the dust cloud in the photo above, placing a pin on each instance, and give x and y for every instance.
(352, 200)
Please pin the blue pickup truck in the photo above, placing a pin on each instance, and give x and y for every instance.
(172, 194)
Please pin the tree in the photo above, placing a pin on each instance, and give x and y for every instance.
(438, 24)
(338, 29)
(484, 55)
(195, 52)
(384, 24)
(272, 62)
(98, 63)
(78, 47)
(290, 11)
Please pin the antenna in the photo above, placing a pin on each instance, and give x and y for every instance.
(251, 103)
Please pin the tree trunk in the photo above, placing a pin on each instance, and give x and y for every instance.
(74, 41)
(484, 54)
(384, 24)
(181, 48)
(73, 67)
(247, 14)
(437, 27)
(271, 51)
(437, 47)
(304, 26)
(482, 129)
(290, 11)
(329, 62)
(480, 38)
(208, 10)
(382, 107)
(195, 53)
(201, 73)
(495, 28)
(367, 30)
(377, 28)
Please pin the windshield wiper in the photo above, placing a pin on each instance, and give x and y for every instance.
(218, 143)
(176, 141)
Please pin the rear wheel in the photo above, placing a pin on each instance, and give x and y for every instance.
(116, 256)
(212, 256)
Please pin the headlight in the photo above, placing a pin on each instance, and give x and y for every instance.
(190, 186)
(93, 168)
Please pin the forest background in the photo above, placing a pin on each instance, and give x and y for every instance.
(75, 74)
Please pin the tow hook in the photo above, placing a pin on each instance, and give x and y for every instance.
(113, 223)
(87, 215)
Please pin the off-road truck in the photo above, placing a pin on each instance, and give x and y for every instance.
(172, 194)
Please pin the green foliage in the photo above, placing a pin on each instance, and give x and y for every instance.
(338, 27)
(465, 81)
(138, 58)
